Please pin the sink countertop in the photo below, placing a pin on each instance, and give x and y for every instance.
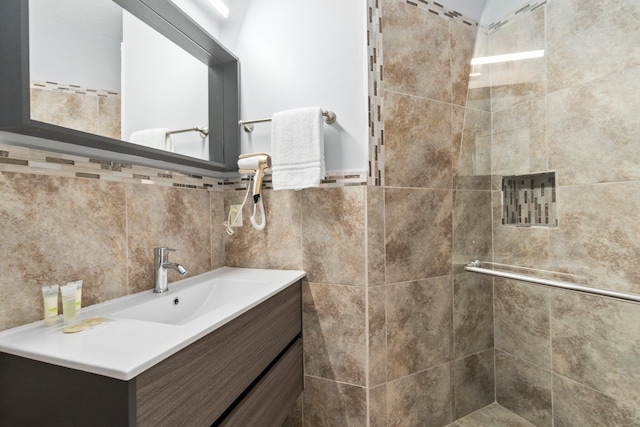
(124, 348)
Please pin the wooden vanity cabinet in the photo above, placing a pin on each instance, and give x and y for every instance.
(247, 372)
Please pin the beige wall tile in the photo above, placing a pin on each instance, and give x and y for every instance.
(593, 129)
(462, 38)
(577, 405)
(217, 229)
(406, 67)
(516, 82)
(375, 236)
(418, 233)
(522, 325)
(418, 142)
(109, 112)
(329, 403)
(589, 40)
(334, 323)
(378, 406)
(473, 383)
(377, 323)
(597, 236)
(70, 110)
(55, 230)
(165, 216)
(279, 245)
(524, 389)
(472, 226)
(333, 240)
(596, 341)
(472, 314)
(422, 399)
(418, 325)
(472, 159)
(520, 246)
(519, 144)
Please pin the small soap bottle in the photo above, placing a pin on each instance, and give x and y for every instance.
(50, 296)
(78, 285)
(68, 303)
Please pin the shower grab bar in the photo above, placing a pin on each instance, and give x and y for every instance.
(476, 267)
(329, 118)
(204, 132)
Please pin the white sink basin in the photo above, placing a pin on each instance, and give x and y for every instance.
(186, 302)
(146, 328)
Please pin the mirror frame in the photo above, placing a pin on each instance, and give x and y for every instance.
(18, 128)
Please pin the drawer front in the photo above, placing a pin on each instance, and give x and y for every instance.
(270, 400)
(196, 385)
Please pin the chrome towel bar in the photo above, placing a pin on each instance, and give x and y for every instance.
(203, 131)
(476, 267)
(329, 118)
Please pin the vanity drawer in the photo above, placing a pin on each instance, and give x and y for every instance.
(269, 401)
(196, 385)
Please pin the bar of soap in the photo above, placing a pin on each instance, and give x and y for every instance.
(85, 324)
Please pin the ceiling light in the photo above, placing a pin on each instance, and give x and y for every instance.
(475, 74)
(508, 57)
(220, 7)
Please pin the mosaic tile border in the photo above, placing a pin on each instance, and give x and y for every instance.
(439, 10)
(31, 161)
(527, 8)
(376, 91)
(71, 88)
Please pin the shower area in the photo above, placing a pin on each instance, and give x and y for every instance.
(553, 101)
(543, 134)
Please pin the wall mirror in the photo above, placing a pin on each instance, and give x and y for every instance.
(107, 79)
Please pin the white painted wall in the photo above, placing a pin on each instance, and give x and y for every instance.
(297, 54)
(71, 44)
(172, 98)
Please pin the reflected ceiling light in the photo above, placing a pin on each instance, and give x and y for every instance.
(508, 57)
(220, 7)
(475, 74)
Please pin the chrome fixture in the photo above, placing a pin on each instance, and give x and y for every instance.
(476, 267)
(204, 132)
(161, 265)
(329, 118)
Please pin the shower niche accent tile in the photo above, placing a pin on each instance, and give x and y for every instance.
(529, 200)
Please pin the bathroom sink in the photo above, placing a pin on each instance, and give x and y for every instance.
(186, 302)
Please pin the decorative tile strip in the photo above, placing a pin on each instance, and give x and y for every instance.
(376, 93)
(514, 16)
(31, 161)
(55, 86)
(438, 9)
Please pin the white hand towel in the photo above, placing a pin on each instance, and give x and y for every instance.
(297, 148)
(153, 138)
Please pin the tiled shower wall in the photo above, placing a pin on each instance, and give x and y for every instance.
(563, 358)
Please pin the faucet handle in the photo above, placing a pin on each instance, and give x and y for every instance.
(162, 253)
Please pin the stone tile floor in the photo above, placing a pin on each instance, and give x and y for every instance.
(492, 415)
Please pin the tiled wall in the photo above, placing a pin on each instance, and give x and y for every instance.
(72, 106)
(431, 337)
(563, 358)
(59, 224)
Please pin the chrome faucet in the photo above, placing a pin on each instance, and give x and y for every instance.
(161, 265)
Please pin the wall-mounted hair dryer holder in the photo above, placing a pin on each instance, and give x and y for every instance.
(254, 165)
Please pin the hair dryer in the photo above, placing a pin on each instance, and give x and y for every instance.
(255, 164)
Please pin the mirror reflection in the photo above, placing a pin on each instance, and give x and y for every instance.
(96, 68)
